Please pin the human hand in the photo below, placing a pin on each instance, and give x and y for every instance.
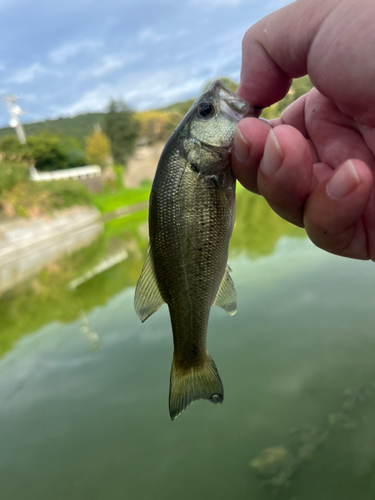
(315, 166)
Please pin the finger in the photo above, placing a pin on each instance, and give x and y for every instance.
(308, 37)
(249, 141)
(333, 211)
(294, 115)
(286, 173)
(276, 49)
(336, 137)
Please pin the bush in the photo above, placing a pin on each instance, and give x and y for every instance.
(29, 199)
(75, 154)
(156, 125)
(46, 151)
(11, 149)
(98, 148)
(66, 193)
(11, 174)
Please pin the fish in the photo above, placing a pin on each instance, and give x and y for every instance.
(191, 218)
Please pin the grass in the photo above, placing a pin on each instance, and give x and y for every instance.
(129, 222)
(22, 197)
(12, 174)
(109, 201)
(31, 199)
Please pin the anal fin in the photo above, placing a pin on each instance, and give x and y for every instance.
(226, 297)
(147, 299)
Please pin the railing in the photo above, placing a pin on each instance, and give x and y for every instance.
(68, 173)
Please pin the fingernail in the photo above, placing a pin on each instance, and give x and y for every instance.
(273, 155)
(343, 182)
(241, 146)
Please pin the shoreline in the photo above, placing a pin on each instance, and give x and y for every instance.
(29, 245)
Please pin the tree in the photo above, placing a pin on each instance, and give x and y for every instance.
(157, 125)
(11, 149)
(75, 153)
(98, 148)
(53, 152)
(122, 129)
(46, 152)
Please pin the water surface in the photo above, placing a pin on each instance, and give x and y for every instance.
(84, 385)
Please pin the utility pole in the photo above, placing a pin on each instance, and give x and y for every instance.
(15, 112)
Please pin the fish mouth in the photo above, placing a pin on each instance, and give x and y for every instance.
(233, 105)
(229, 109)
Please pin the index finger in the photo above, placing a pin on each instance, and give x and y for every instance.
(276, 49)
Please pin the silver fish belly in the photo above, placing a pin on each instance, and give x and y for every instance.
(191, 217)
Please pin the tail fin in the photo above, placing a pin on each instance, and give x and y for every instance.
(198, 382)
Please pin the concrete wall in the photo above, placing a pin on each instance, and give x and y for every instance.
(27, 246)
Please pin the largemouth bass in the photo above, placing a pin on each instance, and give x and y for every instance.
(191, 217)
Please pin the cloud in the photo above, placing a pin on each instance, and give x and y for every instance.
(148, 55)
(92, 100)
(28, 74)
(112, 63)
(147, 88)
(139, 91)
(148, 35)
(72, 49)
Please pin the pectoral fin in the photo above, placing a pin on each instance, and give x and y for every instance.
(147, 299)
(226, 297)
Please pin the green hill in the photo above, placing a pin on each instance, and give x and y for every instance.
(79, 126)
(180, 107)
(82, 125)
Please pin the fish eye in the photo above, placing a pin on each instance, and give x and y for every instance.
(206, 110)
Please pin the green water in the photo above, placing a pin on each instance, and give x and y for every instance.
(84, 385)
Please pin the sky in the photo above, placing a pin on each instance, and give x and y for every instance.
(63, 58)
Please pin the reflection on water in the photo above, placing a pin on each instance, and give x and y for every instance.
(51, 296)
(257, 229)
(84, 385)
(28, 247)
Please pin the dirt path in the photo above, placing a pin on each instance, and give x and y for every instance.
(142, 165)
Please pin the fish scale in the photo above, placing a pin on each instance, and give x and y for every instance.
(191, 217)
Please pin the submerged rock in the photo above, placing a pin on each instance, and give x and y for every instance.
(275, 465)
(341, 421)
(307, 439)
(354, 397)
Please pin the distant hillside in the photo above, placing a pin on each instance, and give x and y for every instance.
(82, 125)
(79, 126)
(180, 107)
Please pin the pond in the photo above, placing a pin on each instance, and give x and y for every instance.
(84, 385)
